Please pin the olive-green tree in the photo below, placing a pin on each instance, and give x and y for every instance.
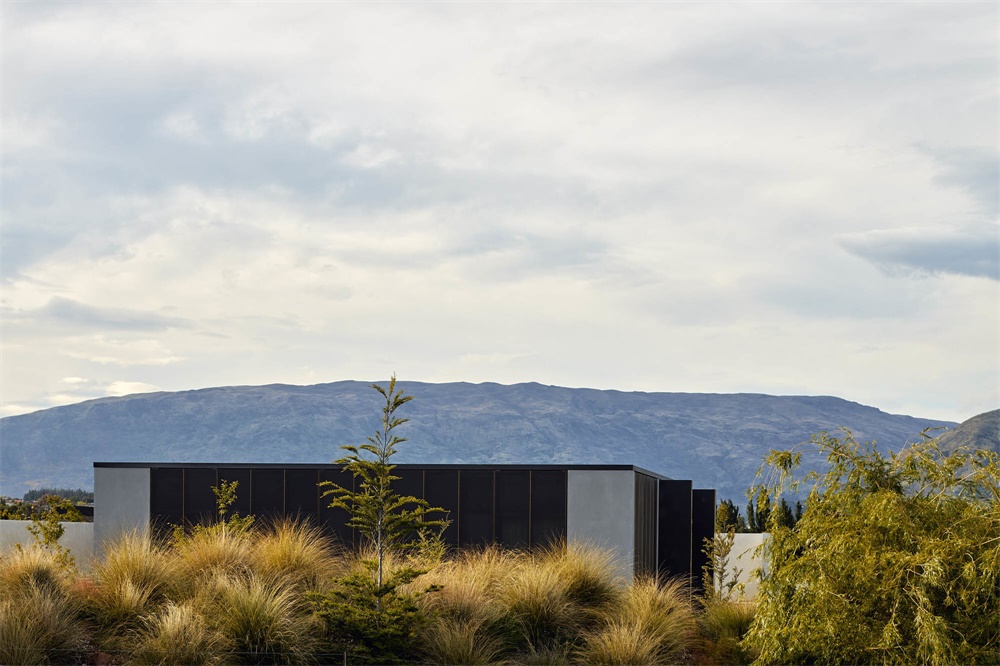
(896, 560)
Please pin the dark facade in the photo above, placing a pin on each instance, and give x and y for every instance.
(516, 506)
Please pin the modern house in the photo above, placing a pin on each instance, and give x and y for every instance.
(655, 524)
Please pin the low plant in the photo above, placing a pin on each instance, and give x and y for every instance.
(264, 620)
(179, 635)
(468, 640)
(297, 551)
(536, 599)
(722, 626)
(652, 623)
(39, 624)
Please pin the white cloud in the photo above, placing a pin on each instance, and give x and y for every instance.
(653, 196)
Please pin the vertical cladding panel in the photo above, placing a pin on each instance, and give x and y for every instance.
(302, 493)
(241, 477)
(122, 502)
(702, 528)
(475, 507)
(200, 503)
(166, 498)
(441, 492)
(267, 493)
(645, 524)
(600, 509)
(674, 542)
(548, 507)
(332, 519)
(513, 504)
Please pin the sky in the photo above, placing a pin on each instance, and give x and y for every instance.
(783, 198)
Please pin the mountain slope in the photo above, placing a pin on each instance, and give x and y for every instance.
(716, 440)
(979, 432)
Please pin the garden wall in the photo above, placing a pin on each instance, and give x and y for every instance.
(78, 538)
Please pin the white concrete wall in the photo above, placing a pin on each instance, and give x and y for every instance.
(78, 538)
(742, 558)
(121, 502)
(600, 509)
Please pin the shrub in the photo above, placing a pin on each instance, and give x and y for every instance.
(895, 560)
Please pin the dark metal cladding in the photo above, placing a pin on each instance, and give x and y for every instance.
(675, 528)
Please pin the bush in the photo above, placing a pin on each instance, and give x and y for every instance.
(895, 560)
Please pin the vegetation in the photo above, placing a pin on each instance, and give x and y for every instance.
(76, 496)
(896, 560)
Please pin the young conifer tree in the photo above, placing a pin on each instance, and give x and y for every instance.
(388, 521)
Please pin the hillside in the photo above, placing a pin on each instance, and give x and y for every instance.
(979, 432)
(716, 440)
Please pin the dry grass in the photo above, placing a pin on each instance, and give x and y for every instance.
(589, 573)
(39, 625)
(214, 550)
(179, 635)
(27, 568)
(297, 551)
(264, 620)
(723, 624)
(537, 601)
(462, 641)
(652, 623)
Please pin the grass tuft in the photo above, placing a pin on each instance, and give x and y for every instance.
(178, 635)
(461, 641)
(297, 551)
(39, 625)
(723, 624)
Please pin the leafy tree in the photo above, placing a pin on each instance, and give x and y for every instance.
(728, 517)
(758, 516)
(366, 611)
(78, 495)
(896, 560)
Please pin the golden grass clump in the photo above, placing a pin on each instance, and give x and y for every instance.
(590, 573)
(297, 551)
(722, 625)
(213, 550)
(537, 601)
(24, 569)
(179, 635)
(652, 623)
(264, 620)
(38, 625)
(462, 641)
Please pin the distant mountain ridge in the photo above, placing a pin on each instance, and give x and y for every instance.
(717, 440)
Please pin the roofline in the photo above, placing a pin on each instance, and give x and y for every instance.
(402, 466)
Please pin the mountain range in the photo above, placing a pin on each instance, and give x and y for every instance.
(717, 440)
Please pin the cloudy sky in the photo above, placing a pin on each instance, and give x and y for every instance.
(787, 198)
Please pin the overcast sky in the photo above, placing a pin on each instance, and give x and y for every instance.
(784, 198)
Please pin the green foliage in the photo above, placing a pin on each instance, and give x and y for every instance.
(758, 516)
(896, 560)
(721, 582)
(76, 496)
(388, 521)
(728, 517)
(46, 528)
(373, 623)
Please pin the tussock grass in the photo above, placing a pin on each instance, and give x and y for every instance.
(298, 551)
(24, 569)
(39, 625)
(462, 641)
(179, 635)
(217, 549)
(537, 601)
(264, 620)
(652, 623)
(589, 573)
(722, 625)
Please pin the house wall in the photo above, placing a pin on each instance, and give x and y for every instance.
(121, 502)
(600, 509)
(78, 538)
(743, 562)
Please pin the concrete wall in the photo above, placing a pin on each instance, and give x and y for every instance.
(600, 509)
(121, 502)
(742, 558)
(77, 537)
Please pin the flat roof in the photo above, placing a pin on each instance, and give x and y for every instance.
(402, 466)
